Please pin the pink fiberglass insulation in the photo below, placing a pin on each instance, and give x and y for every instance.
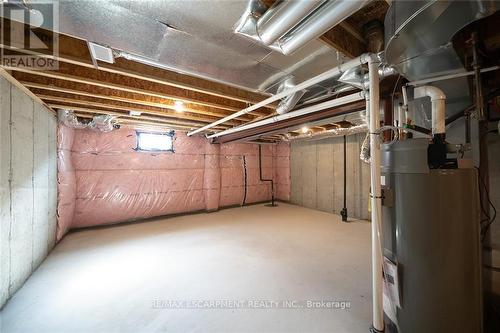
(104, 180)
(66, 180)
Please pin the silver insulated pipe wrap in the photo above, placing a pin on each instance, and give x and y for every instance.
(282, 17)
(290, 24)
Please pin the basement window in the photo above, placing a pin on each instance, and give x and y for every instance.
(158, 142)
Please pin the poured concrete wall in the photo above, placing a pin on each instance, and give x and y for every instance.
(317, 175)
(28, 186)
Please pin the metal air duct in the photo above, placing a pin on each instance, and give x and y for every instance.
(289, 102)
(267, 26)
(280, 18)
(281, 28)
(323, 19)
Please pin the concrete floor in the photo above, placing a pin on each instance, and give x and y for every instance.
(119, 279)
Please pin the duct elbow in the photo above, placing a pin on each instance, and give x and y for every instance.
(429, 91)
(438, 100)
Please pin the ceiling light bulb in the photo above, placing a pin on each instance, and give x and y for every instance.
(305, 129)
(179, 106)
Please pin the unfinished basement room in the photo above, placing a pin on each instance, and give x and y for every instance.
(249, 166)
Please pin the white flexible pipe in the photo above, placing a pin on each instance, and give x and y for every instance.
(363, 59)
(376, 196)
(438, 100)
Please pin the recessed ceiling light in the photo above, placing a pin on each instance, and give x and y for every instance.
(305, 129)
(134, 113)
(179, 106)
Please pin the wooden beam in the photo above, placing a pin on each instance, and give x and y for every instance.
(16, 83)
(94, 110)
(75, 51)
(347, 37)
(353, 32)
(40, 89)
(95, 77)
(128, 107)
(57, 85)
(340, 39)
(140, 124)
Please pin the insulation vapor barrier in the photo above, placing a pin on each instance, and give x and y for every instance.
(103, 179)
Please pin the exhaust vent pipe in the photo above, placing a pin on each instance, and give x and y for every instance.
(290, 24)
(438, 100)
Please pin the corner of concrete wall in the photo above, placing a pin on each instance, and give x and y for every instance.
(28, 186)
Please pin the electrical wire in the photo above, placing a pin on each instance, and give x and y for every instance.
(489, 220)
(245, 180)
(394, 90)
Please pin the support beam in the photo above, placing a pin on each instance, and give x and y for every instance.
(340, 39)
(339, 69)
(272, 128)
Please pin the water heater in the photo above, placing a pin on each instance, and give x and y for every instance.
(431, 234)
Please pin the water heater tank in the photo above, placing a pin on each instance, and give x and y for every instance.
(431, 232)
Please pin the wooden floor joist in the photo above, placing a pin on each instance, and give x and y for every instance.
(95, 87)
(140, 124)
(112, 81)
(128, 107)
(96, 111)
(41, 89)
(75, 51)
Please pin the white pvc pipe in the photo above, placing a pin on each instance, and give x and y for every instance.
(401, 115)
(376, 196)
(401, 118)
(363, 59)
(450, 76)
(314, 108)
(405, 104)
(438, 100)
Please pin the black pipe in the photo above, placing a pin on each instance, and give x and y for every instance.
(245, 180)
(343, 212)
(467, 127)
(265, 180)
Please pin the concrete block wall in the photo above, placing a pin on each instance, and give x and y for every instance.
(317, 176)
(28, 186)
